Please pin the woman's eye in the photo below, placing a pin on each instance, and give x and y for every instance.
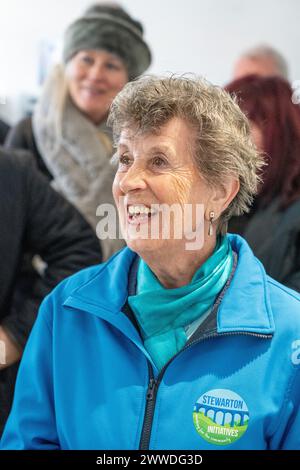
(159, 162)
(112, 66)
(124, 160)
(87, 60)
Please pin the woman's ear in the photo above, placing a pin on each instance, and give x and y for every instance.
(222, 195)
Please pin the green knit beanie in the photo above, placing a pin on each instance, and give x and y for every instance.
(112, 29)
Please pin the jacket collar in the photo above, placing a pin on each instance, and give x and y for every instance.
(245, 306)
(104, 295)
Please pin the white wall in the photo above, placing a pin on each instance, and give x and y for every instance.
(202, 36)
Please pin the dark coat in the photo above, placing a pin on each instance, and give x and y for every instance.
(274, 236)
(34, 219)
(4, 128)
(21, 137)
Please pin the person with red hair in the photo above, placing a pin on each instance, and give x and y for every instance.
(272, 227)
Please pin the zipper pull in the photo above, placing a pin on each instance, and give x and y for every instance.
(151, 388)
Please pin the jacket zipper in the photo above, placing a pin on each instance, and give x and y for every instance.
(153, 384)
(150, 407)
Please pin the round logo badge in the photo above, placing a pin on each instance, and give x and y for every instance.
(221, 417)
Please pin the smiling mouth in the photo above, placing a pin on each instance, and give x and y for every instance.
(140, 213)
(93, 91)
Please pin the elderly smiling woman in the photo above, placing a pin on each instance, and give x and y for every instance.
(168, 345)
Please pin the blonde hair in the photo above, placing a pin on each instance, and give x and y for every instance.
(55, 89)
(222, 145)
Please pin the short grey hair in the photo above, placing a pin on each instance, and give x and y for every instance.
(264, 51)
(222, 144)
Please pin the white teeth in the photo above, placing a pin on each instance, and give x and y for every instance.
(135, 210)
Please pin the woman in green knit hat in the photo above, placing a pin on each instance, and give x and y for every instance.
(67, 133)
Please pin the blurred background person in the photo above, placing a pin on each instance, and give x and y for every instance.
(272, 227)
(33, 218)
(67, 133)
(4, 128)
(262, 60)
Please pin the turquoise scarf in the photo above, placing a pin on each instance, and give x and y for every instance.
(163, 314)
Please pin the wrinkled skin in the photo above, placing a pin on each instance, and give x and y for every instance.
(159, 169)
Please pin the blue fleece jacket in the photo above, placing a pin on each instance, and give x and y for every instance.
(87, 382)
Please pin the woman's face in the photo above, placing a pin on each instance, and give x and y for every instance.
(156, 171)
(94, 79)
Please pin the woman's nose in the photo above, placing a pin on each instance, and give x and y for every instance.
(133, 179)
(96, 73)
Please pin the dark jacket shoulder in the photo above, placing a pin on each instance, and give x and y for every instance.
(274, 236)
(35, 219)
(4, 128)
(21, 136)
